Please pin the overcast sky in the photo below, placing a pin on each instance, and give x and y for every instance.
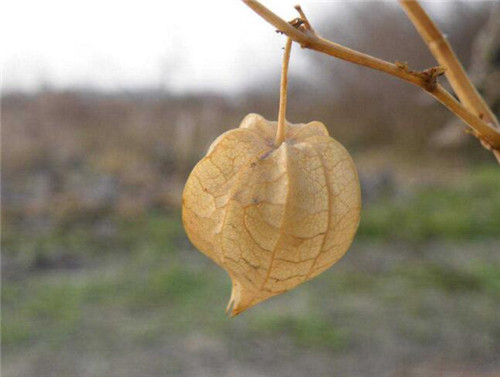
(118, 44)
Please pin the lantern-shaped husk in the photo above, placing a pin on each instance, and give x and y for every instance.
(272, 216)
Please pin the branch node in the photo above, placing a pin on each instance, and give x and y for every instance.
(297, 23)
(303, 17)
(302, 26)
(430, 77)
(404, 66)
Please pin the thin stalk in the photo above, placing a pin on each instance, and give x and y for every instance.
(281, 131)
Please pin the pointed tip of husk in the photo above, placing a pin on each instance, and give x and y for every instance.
(241, 299)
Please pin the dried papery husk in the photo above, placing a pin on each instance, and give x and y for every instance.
(272, 216)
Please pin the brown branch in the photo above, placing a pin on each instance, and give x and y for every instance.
(312, 41)
(426, 80)
(483, 131)
(442, 51)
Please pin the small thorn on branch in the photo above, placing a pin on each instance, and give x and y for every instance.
(430, 77)
(300, 24)
(296, 23)
(303, 17)
(403, 65)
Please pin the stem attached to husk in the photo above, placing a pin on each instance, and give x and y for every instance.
(280, 133)
(470, 107)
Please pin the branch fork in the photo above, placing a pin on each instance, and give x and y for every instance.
(430, 77)
(470, 106)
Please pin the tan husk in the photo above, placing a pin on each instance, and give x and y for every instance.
(272, 216)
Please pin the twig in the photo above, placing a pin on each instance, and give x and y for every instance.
(426, 80)
(315, 42)
(442, 51)
(303, 17)
(281, 130)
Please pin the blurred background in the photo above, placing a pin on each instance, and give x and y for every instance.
(107, 106)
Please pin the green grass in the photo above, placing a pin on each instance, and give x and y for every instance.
(50, 310)
(453, 212)
(41, 310)
(465, 211)
(155, 232)
(132, 269)
(481, 277)
(142, 280)
(306, 330)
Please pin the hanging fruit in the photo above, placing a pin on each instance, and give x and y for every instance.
(274, 204)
